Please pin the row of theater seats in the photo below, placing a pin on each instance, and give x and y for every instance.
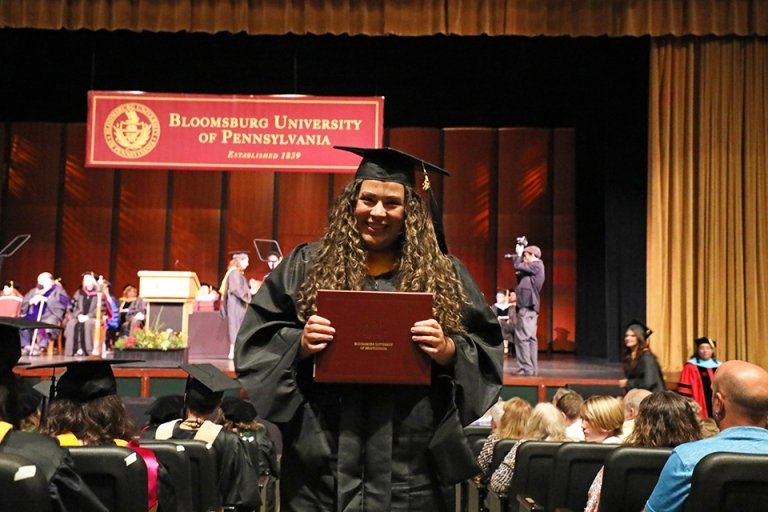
(555, 477)
(118, 477)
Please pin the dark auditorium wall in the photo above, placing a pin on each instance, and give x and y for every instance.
(455, 99)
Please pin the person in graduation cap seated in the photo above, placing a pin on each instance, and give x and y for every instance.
(372, 447)
(67, 489)
(697, 375)
(164, 409)
(235, 295)
(86, 410)
(238, 479)
(30, 403)
(239, 416)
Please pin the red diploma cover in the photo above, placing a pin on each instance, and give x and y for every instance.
(373, 342)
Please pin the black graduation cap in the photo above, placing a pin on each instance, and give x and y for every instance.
(701, 341)
(238, 409)
(10, 345)
(165, 408)
(205, 380)
(390, 164)
(646, 330)
(85, 380)
(29, 402)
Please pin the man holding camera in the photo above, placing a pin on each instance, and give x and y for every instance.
(530, 277)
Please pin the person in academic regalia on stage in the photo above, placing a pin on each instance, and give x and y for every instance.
(47, 302)
(697, 375)
(236, 294)
(238, 479)
(81, 327)
(372, 447)
(68, 491)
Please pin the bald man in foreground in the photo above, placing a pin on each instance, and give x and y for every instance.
(740, 408)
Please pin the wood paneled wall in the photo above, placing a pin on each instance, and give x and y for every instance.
(504, 183)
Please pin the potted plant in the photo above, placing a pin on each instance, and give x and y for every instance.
(154, 344)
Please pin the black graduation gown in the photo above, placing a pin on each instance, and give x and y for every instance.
(69, 493)
(646, 374)
(365, 447)
(238, 480)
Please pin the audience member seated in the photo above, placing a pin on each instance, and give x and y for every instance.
(511, 425)
(66, 488)
(602, 418)
(631, 407)
(740, 408)
(545, 424)
(205, 388)
(86, 411)
(569, 404)
(30, 407)
(708, 427)
(47, 302)
(164, 409)
(81, 327)
(239, 417)
(663, 420)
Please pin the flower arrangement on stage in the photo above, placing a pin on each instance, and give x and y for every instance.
(153, 339)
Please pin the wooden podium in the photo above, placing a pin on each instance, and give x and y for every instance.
(169, 297)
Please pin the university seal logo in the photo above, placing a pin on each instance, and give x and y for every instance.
(132, 130)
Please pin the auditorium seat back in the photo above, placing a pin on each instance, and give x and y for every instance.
(176, 461)
(534, 466)
(576, 465)
(22, 485)
(729, 481)
(476, 493)
(117, 475)
(630, 474)
(205, 476)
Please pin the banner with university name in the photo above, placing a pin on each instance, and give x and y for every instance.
(138, 130)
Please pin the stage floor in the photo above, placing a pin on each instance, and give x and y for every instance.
(555, 370)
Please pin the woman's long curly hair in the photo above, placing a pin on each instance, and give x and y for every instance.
(97, 422)
(664, 419)
(341, 261)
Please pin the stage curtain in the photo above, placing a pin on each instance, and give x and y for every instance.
(384, 17)
(708, 194)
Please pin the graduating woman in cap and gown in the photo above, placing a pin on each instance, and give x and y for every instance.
(641, 368)
(238, 479)
(68, 491)
(698, 372)
(372, 447)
